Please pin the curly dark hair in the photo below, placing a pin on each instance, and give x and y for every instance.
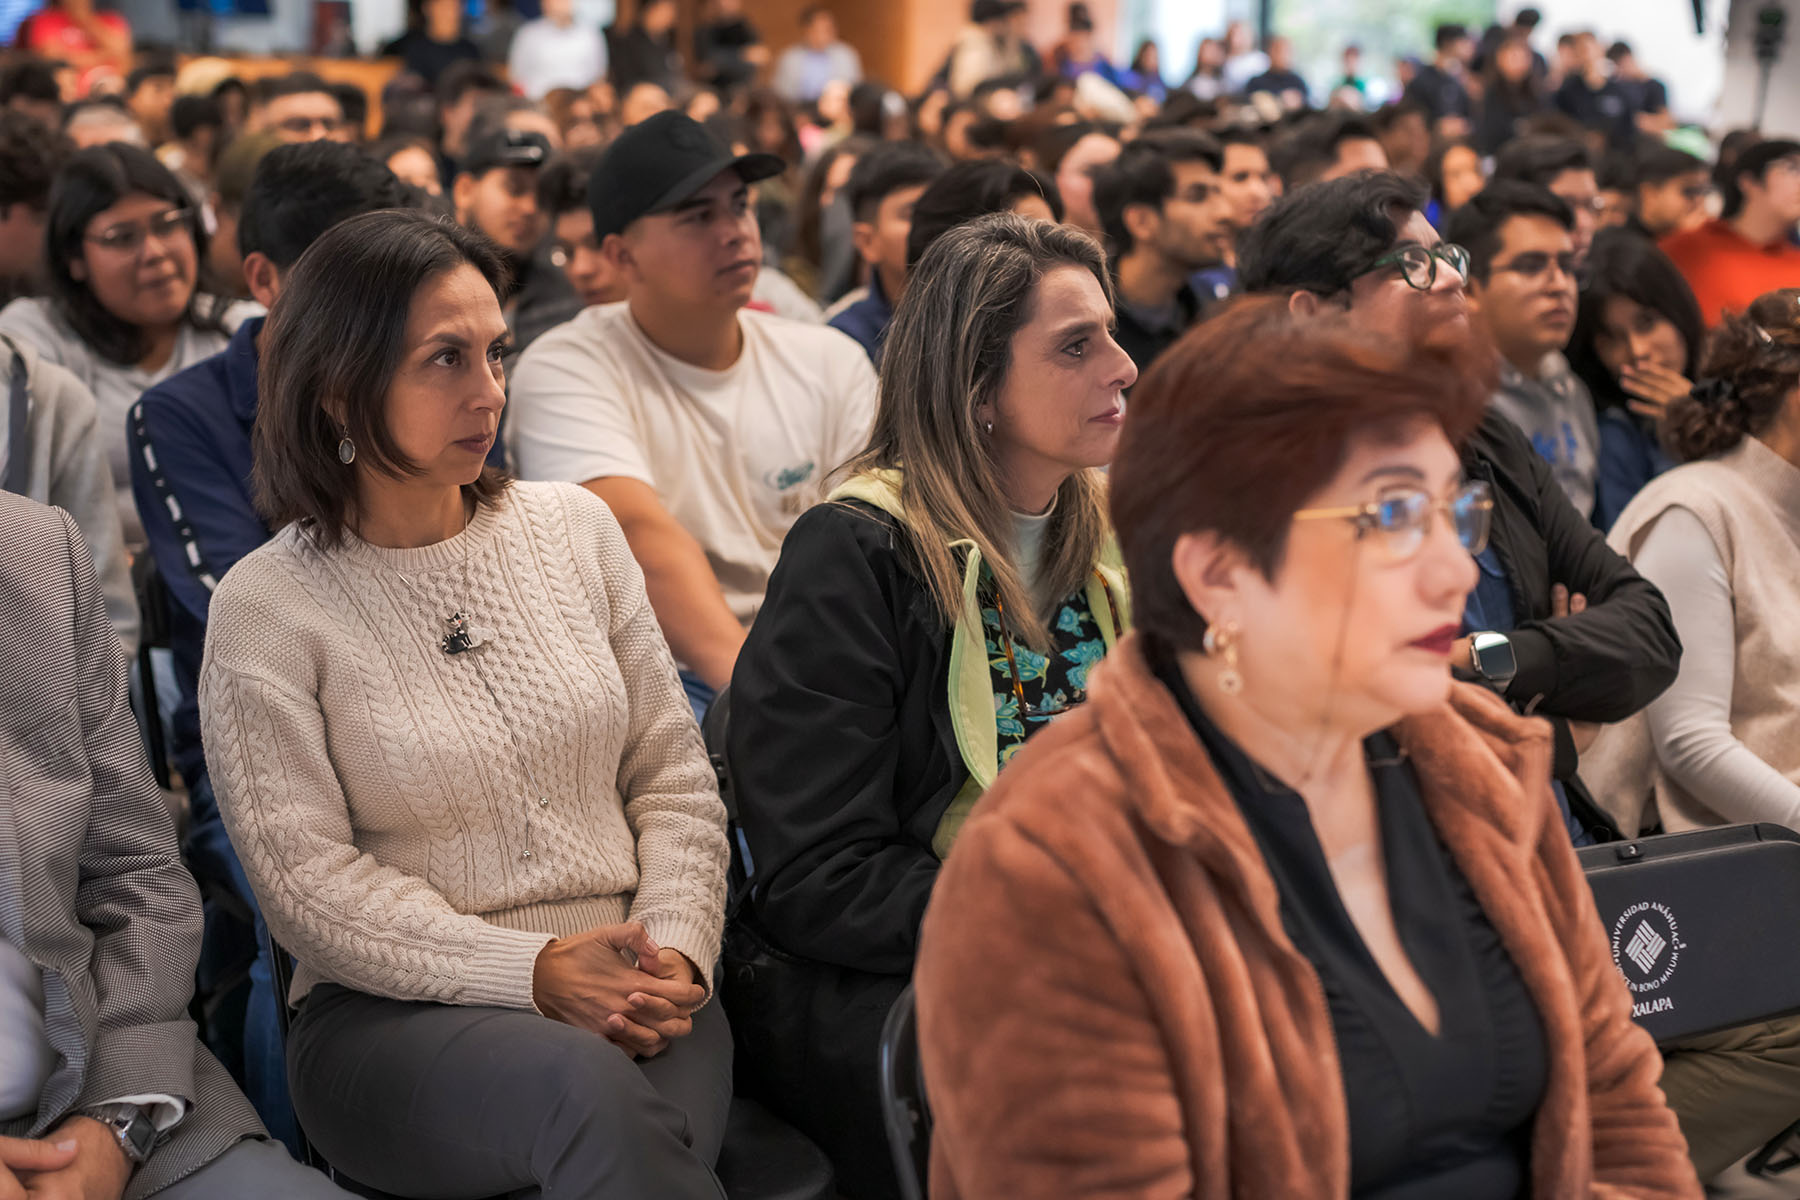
(30, 153)
(1751, 367)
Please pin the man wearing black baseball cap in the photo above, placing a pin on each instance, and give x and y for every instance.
(495, 193)
(706, 427)
(496, 189)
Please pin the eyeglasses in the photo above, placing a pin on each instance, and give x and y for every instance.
(1401, 516)
(1419, 264)
(128, 237)
(1534, 264)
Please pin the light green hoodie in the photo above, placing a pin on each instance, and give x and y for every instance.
(970, 682)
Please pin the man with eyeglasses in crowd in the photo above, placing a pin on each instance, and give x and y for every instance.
(298, 107)
(1522, 293)
(1563, 167)
(1558, 624)
(1750, 249)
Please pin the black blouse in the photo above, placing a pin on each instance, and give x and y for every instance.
(1430, 1116)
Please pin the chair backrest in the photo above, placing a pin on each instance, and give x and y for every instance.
(904, 1109)
(713, 729)
(1702, 925)
(153, 634)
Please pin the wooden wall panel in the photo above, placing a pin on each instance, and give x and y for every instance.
(903, 41)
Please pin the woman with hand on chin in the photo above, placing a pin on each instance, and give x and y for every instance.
(946, 606)
(451, 749)
(1637, 342)
(1282, 910)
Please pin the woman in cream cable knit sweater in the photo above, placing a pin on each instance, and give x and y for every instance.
(452, 751)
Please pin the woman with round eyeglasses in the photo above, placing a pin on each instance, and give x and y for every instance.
(124, 248)
(1283, 910)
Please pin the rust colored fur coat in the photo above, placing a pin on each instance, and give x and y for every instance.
(1109, 1006)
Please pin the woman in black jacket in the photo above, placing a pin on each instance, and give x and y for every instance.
(918, 629)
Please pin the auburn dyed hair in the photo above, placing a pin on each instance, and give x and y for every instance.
(1250, 414)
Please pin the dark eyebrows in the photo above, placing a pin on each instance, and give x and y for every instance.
(1088, 327)
(1399, 470)
(702, 200)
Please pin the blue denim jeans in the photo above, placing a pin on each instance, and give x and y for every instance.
(699, 695)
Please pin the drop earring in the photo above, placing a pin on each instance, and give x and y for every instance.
(987, 427)
(346, 448)
(1221, 643)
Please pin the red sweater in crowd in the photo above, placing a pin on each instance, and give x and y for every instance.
(1727, 271)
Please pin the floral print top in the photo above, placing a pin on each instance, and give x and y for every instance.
(1052, 683)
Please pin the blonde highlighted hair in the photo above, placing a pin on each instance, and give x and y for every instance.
(947, 352)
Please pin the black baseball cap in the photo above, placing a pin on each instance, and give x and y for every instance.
(656, 164)
(983, 11)
(507, 148)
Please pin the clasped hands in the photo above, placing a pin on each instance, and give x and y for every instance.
(590, 981)
(81, 1160)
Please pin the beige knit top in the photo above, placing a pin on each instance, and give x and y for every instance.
(418, 824)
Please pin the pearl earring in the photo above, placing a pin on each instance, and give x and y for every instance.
(1221, 643)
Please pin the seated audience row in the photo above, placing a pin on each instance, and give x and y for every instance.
(450, 747)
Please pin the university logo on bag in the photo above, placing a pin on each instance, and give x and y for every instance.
(1646, 947)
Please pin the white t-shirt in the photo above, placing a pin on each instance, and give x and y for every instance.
(546, 56)
(734, 455)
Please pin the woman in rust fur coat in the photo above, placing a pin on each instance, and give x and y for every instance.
(1283, 911)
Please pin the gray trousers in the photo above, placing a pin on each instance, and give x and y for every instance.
(255, 1168)
(457, 1103)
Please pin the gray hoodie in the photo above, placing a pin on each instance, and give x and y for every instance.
(1557, 416)
(59, 461)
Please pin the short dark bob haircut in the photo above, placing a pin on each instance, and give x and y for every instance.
(90, 182)
(1240, 422)
(333, 342)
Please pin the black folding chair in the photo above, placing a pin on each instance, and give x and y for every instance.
(904, 1109)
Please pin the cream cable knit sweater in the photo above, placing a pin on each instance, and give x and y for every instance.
(406, 835)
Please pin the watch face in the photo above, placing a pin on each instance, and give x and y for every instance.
(1495, 655)
(142, 1136)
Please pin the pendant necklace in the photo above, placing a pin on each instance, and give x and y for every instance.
(462, 638)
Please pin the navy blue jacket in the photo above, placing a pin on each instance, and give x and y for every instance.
(867, 320)
(190, 475)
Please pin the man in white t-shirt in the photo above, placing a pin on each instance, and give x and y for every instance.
(556, 51)
(705, 427)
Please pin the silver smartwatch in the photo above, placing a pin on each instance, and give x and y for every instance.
(130, 1124)
(1491, 659)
